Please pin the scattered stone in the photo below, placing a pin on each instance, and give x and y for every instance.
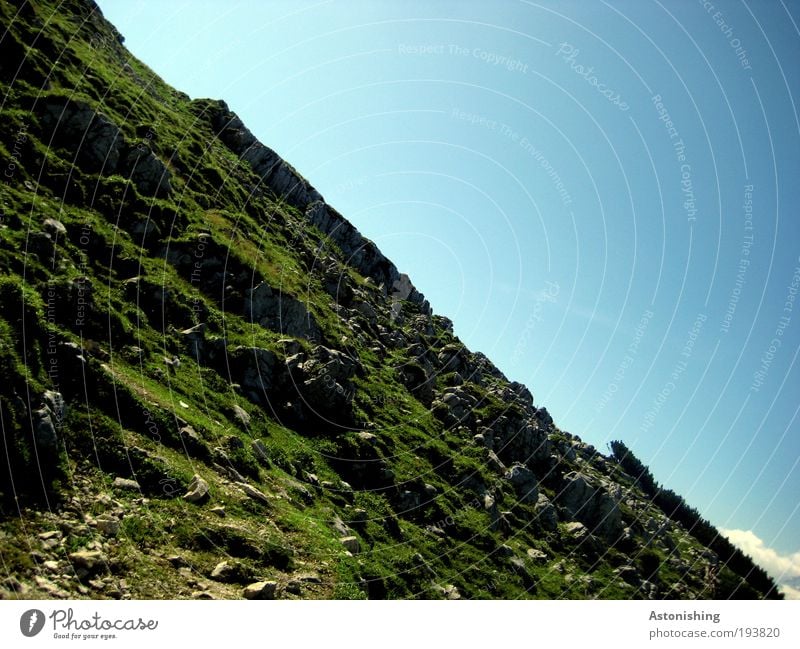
(231, 572)
(241, 415)
(48, 587)
(124, 483)
(222, 571)
(260, 451)
(451, 592)
(178, 561)
(254, 493)
(88, 561)
(576, 530)
(261, 590)
(351, 543)
(340, 527)
(537, 555)
(518, 565)
(54, 228)
(202, 594)
(108, 525)
(52, 534)
(198, 490)
(219, 511)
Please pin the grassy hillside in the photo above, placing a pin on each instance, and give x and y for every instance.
(215, 387)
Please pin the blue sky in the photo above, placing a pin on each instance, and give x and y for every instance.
(601, 195)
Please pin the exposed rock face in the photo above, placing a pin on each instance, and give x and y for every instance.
(147, 172)
(592, 504)
(95, 140)
(524, 482)
(280, 312)
(99, 145)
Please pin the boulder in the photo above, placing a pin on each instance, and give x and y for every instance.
(351, 544)
(591, 504)
(129, 485)
(241, 415)
(44, 430)
(87, 561)
(230, 572)
(198, 490)
(253, 493)
(546, 514)
(108, 524)
(261, 590)
(54, 228)
(254, 368)
(524, 482)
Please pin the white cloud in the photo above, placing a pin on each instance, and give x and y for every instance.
(784, 568)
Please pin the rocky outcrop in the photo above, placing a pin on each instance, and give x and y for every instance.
(592, 502)
(99, 146)
(280, 312)
(524, 483)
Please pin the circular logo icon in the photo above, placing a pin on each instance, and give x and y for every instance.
(31, 622)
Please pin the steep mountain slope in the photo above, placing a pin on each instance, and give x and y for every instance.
(215, 386)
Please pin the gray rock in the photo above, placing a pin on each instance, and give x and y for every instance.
(198, 490)
(89, 561)
(54, 228)
(546, 513)
(524, 482)
(255, 370)
(147, 172)
(351, 544)
(44, 429)
(591, 504)
(280, 312)
(260, 451)
(90, 135)
(261, 590)
(253, 493)
(576, 531)
(108, 525)
(241, 415)
(340, 527)
(124, 483)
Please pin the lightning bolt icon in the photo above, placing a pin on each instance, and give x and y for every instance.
(32, 620)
